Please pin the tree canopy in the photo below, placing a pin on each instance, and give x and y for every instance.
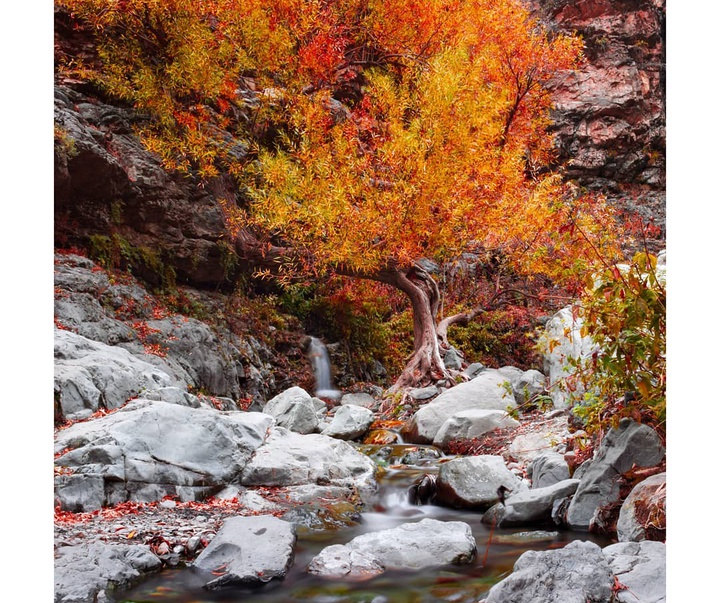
(366, 134)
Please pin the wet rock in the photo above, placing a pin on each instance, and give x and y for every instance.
(288, 459)
(642, 515)
(293, 409)
(83, 572)
(142, 452)
(474, 481)
(547, 469)
(530, 506)
(423, 491)
(248, 549)
(577, 573)
(410, 546)
(469, 424)
(350, 422)
(490, 390)
(630, 444)
(641, 567)
(90, 374)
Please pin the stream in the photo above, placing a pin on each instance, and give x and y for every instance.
(402, 465)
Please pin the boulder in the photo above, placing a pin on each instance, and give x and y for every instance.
(547, 469)
(248, 549)
(474, 481)
(142, 451)
(349, 422)
(562, 341)
(577, 573)
(174, 395)
(293, 409)
(642, 515)
(641, 568)
(528, 385)
(530, 506)
(423, 393)
(630, 444)
(83, 572)
(469, 424)
(90, 374)
(289, 459)
(490, 390)
(359, 399)
(410, 546)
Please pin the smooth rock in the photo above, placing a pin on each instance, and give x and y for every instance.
(248, 549)
(530, 506)
(469, 424)
(359, 399)
(528, 385)
(473, 481)
(642, 515)
(293, 409)
(547, 469)
(349, 422)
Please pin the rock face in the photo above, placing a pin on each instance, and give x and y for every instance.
(474, 481)
(248, 549)
(413, 546)
(490, 390)
(629, 444)
(142, 452)
(642, 515)
(609, 116)
(89, 373)
(577, 573)
(82, 573)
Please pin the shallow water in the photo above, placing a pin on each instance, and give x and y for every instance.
(450, 584)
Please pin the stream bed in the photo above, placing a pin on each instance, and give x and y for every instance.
(402, 465)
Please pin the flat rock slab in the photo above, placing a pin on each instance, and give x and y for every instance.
(413, 546)
(577, 573)
(473, 481)
(248, 549)
(84, 571)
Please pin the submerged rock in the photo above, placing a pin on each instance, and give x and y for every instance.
(248, 549)
(413, 546)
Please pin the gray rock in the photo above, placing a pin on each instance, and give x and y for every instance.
(511, 373)
(83, 314)
(453, 359)
(142, 451)
(641, 567)
(427, 543)
(474, 370)
(645, 503)
(248, 549)
(528, 385)
(174, 395)
(547, 469)
(89, 374)
(80, 493)
(530, 506)
(83, 572)
(473, 481)
(558, 348)
(423, 393)
(629, 444)
(349, 422)
(490, 390)
(293, 409)
(577, 573)
(289, 459)
(360, 399)
(469, 424)
(527, 447)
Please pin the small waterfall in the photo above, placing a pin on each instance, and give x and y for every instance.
(321, 366)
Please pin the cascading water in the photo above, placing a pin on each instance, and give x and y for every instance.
(321, 366)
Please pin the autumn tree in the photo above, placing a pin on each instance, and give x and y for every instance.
(375, 135)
